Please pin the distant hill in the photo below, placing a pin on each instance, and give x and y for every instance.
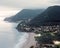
(24, 14)
(50, 16)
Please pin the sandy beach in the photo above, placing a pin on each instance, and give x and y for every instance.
(30, 41)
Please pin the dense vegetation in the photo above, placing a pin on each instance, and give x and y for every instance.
(51, 16)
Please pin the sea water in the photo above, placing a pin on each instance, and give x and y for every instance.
(9, 36)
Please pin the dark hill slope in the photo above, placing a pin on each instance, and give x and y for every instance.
(24, 14)
(51, 16)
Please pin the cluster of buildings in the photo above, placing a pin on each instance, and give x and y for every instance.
(44, 30)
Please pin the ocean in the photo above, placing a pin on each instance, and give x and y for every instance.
(9, 36)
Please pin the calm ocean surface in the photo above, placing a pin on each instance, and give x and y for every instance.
(9, 36)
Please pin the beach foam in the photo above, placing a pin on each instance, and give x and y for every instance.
(21, 41)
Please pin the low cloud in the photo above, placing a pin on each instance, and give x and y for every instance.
(28, 3)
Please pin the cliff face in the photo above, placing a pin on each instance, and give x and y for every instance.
(51, 16)
(24, 14)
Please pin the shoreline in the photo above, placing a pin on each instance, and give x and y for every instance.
(30, 41)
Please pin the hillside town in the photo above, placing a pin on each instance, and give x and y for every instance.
(51, 34)
(46, 27)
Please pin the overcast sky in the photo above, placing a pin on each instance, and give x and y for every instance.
(11, 7)
(28, 3)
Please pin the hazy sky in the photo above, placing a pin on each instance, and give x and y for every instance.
(28, 3)
(11, 7)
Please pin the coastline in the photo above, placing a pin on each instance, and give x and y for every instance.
(30, 41)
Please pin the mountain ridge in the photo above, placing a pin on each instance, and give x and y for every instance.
(24, 14)
(50, 15)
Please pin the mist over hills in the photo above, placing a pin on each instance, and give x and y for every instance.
(24, 15)
(51, 16)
